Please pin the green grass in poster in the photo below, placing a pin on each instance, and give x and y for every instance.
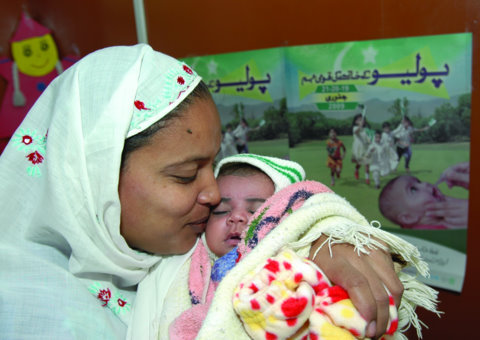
(427, 163)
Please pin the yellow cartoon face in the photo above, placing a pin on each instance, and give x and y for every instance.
(35, 57)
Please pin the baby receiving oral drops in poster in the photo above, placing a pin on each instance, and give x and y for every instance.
(34, 64)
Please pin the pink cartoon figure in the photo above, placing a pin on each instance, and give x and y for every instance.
(35, 64)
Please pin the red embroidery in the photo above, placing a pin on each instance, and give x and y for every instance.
(104, 295)
(35, 157)
(187, 69)
(180, 80)
(121, 302)
(140, 105)
(27, 140)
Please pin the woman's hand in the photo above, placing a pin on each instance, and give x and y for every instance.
(365, 278)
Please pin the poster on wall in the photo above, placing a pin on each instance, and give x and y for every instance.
(249, 90)
(384, 123)
(387, 123)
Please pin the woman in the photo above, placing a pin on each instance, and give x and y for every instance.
(108, 176)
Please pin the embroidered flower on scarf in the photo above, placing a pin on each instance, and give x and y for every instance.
(104, 295)
(175, 83)
(110, 298)
(34, 145)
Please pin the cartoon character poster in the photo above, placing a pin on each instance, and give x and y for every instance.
(33, 65)
(384, 123)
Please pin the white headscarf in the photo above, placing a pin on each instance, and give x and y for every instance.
(59, 203)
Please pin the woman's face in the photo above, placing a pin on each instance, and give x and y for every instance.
(167, 187)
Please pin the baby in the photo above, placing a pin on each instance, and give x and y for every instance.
(245, 183)
(404, 200)
(243, 189)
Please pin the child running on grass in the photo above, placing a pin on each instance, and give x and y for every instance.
(360, 145)
(335, 155)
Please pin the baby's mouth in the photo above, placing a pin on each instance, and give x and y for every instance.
(233, 239)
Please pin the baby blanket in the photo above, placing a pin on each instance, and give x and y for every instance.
(288, 223)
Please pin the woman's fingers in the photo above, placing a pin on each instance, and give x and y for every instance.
(365, 278)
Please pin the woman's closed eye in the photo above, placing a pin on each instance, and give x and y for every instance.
(185, 179)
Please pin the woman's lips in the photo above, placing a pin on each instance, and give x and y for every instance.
(199, 225)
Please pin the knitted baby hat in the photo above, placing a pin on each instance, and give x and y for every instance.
(281, 171)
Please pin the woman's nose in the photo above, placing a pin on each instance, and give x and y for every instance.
(209, 195)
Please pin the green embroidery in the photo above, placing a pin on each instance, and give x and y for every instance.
(254, 224)
(110, 298)
(177, 81)
(34, 145)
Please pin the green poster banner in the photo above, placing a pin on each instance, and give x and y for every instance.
(249, 90)
(401, 109)
(385, 123)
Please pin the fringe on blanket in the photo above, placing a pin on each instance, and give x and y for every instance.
(362, 237)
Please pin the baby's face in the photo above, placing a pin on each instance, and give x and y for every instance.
(412, 194)
(240, 198)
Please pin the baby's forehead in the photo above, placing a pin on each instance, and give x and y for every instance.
(406, 180)
(235, 179)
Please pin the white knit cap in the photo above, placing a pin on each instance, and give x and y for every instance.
(281, 171)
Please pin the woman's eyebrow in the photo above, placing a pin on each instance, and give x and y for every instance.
(191, 160)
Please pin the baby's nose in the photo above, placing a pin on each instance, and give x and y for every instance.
(238, 217)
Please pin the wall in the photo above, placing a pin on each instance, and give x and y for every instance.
(189, 27)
